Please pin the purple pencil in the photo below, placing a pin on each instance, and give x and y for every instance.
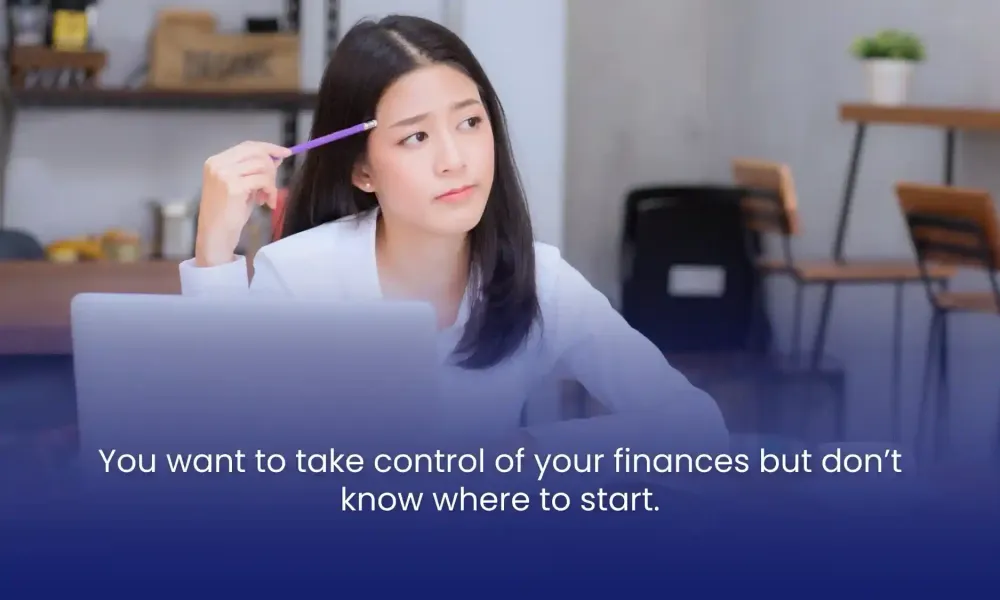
(333, 137)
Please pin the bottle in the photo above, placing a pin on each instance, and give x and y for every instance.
(69, 30)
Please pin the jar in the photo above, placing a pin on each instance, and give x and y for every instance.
(27, 21)
(176, 230)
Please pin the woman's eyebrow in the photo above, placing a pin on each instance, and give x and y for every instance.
(418, 118)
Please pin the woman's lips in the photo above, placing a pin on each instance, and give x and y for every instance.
(456, 194)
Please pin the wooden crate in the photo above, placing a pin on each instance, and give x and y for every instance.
(186, 55)
(184, 18)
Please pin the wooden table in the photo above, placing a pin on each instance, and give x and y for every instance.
(36, 297)
(950, 119)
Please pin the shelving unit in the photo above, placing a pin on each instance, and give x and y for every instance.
(34, 310)
(288, 104)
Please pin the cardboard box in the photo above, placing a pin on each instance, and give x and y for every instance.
(188, 54)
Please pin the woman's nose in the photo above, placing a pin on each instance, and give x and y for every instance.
(450, 157)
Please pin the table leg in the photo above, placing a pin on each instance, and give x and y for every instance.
(819, 342)
(848, 198)
(897, 351)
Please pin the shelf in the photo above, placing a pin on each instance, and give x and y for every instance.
(147, 99)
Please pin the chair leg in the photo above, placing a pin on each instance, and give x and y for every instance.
(943, 408)
(796, 341)
(757, 328)
(819, 340)
(930, 366)
(897, 366)
(996, 441)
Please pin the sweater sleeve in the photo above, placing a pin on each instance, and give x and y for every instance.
(232, 278)
(651, 403)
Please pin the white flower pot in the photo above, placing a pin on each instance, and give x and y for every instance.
(889, 81)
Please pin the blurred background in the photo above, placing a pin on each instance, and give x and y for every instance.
(706, 113)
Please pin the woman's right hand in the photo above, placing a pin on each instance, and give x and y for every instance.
(234, 182)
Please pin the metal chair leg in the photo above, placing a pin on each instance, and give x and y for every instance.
(930, 365)
(996, 441)
(819, 340)
(757, 328)
(796, 342)
(897, 352)
(841, 415)
(942, 423)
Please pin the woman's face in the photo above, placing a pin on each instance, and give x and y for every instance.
(430, 160)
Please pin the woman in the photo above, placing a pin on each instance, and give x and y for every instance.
(428, 206)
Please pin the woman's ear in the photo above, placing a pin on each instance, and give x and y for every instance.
(362, 179)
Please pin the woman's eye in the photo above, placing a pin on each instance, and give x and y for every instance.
(415, 138)
(472, 122)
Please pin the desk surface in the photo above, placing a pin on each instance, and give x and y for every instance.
(35, 303)
(953, 117)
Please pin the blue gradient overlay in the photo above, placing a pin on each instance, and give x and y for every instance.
(70, 527)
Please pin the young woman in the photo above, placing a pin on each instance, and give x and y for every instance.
(428, 206)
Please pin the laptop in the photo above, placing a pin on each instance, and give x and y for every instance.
(167, 373)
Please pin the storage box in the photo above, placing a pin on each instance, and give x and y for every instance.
(192, 57)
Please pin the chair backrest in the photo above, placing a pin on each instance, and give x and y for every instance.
(19, 245)
(774, 208)
(674, 232)
(951, 226)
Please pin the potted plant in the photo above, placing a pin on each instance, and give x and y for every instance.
(889, 56)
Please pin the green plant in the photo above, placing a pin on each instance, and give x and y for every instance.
(889, 44)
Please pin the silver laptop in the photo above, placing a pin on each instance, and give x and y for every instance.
(183, 374)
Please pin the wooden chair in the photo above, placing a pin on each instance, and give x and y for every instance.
(955, 228)
(770, 206)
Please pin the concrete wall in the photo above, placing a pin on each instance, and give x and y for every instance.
(79, 172)
(522, 46)
(778, 70)
(671, 90)
(637, 111)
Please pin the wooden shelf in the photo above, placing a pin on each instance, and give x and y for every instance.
(150, 99)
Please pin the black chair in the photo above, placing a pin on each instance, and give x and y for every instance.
(19, 245)
(671, 228)
(727, 338)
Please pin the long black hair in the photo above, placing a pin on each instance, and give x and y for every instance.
(369, 58)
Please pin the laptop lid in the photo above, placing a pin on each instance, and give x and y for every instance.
(173, 373)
